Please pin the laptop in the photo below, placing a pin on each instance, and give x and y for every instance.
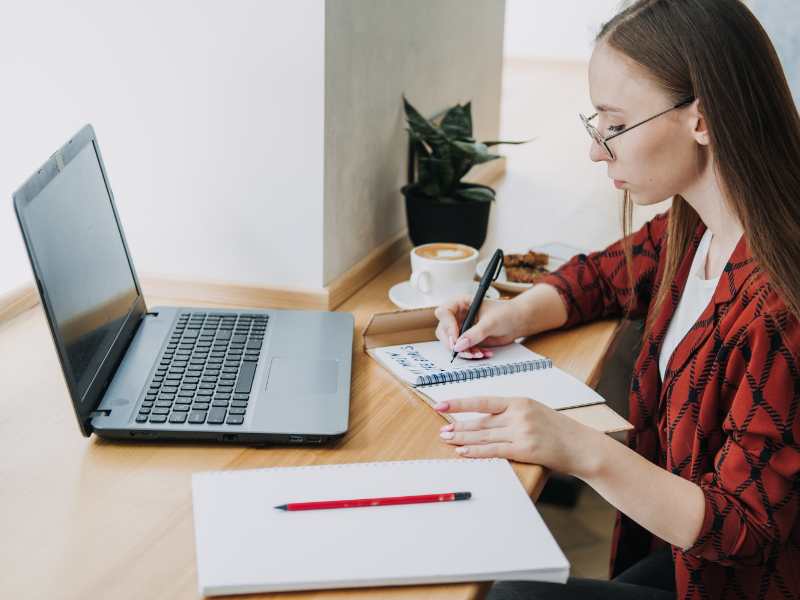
(164, 373)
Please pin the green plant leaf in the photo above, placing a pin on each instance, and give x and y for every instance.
(476, 151)
(438, 174)
(475, 194)
(495, 143)
(421, 127)
(445, 152)
(457, 122)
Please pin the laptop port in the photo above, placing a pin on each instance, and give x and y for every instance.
(229, 437)
(296, 439)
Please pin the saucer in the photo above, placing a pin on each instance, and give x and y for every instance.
(404, 296)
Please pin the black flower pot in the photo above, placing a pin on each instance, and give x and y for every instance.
(446, 220)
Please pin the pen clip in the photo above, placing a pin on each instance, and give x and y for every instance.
(499, 265)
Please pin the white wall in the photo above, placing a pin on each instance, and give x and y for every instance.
(781, 20)
(546, 30)
(209, 116)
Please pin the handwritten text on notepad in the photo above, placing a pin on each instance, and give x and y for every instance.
(410, 358)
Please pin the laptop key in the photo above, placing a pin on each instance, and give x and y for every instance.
(141, 418)
(235, 410)
(216, 416)
(155, 418)
(246, 375)
(197, 416)
(179, 417)
(235, 420)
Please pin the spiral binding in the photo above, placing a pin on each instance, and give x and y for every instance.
(472, 373)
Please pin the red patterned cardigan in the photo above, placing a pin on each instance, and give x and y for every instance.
(725, 416)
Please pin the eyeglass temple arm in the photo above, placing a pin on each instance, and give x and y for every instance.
(678, 105)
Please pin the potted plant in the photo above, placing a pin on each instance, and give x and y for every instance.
(439, 206)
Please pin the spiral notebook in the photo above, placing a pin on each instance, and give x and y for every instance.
(428, 363)
(512, 371)
(244, 545)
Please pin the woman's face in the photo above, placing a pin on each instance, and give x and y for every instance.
(656, 160)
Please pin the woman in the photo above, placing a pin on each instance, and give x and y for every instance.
(691, 104)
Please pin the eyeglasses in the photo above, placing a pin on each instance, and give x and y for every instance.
(603, 141)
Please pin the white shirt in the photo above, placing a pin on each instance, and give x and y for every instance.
(696, 296)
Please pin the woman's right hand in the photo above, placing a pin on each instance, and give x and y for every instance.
(496, 325)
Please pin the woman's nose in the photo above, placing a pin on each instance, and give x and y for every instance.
(597, 153)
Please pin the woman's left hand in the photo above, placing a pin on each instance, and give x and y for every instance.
(520, 429)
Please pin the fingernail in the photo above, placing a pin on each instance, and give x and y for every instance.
(462, 343)
(488, 353)
(462, 450)
(441, 406)
(447, 435)
(448, 427)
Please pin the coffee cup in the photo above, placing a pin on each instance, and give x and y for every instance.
(442, 271)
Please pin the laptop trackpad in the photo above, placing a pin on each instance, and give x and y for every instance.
(297, 376)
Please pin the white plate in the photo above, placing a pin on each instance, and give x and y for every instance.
(404, 296)
(559, 254)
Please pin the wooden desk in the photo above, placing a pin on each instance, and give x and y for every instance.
(90, 519)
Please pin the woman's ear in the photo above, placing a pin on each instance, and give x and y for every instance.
(698, 123)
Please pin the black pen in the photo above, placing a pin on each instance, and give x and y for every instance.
(489, 275)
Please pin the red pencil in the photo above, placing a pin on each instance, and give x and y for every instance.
(361, 502)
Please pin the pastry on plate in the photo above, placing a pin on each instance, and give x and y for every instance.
(525, 268)
(529, 259)
(525, 274)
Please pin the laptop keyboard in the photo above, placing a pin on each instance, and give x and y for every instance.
(206, 371)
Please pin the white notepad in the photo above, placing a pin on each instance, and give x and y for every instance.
(428, 363)
(244, 545)
(512, 371)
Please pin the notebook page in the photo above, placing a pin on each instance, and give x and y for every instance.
(552, 387)
(245, 545)
(413, 362)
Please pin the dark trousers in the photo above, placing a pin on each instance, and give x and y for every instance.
(652, 578)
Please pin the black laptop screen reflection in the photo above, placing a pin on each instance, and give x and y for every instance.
(83, 263)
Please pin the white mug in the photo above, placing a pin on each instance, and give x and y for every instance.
(442, 271)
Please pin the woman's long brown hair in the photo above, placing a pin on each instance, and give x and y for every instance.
(717, 51)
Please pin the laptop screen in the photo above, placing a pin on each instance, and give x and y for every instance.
(82, 263)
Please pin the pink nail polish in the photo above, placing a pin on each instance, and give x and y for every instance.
(448, 427)
(461, 344)
(441, 406)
